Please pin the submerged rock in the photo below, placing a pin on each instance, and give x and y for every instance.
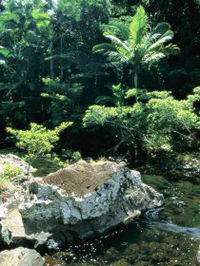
(21, 257)
(85, 200)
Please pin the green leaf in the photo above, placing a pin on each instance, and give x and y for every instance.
(138, 26)
(171, 49)
(60, 56)
(103, 47)
(4, 51)
(8, 16)
(104, 100)
(45, 95)
(39, 15)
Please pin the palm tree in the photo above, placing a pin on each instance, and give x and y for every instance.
(139, 45)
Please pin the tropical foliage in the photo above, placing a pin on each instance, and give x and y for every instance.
(139, 44)
(52, 70)
(158, 122)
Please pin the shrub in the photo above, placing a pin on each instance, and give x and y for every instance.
(38, 141)
(157, 122)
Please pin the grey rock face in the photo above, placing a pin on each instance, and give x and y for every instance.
(84, 200)
(12, 232)
(21, 257)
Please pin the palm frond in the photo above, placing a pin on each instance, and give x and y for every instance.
(161, 28)
(138, 26)
(103, 100)
(116, 56)
(171, 49)
(119, 29)
(123, 52)
(117, 42)
(156, 33)
(153, 57)
(104, 48)
(167, 36)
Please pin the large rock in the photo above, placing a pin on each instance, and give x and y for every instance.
(21, 257)
(86, 199)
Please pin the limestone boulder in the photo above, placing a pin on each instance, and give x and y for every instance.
(85, 200)
(21, 257)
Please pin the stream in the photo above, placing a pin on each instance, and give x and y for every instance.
(167, 236)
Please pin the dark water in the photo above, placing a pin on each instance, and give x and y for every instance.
(167, 236)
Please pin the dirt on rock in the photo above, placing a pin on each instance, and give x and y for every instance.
(82, 177)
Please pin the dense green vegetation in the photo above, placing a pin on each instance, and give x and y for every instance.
(126, 73)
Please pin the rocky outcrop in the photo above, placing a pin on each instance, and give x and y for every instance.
(86, 199)
(21, 257)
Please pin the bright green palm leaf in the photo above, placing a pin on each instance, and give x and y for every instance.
(138, 27)
(171, 49)
(152, 58)
(117, 42)
(167, 36)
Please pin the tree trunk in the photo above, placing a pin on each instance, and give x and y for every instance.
(136, 79)
(51, 61)
(61, 60)
(136, 84)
